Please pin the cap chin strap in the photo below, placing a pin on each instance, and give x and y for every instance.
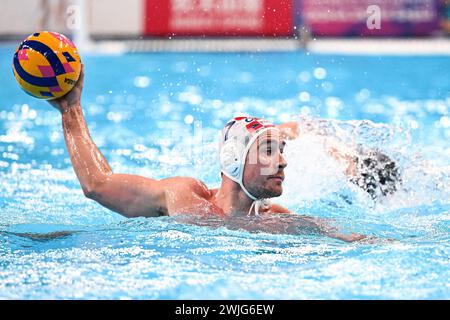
(257, 203)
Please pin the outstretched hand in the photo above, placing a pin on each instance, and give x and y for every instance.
(362, 239)
(72, 98)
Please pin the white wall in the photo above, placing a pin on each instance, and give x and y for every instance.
(103, 17)
(19, 17)
(118, 17)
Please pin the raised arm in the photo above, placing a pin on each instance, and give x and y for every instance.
(336, 149)
(128, 195)
(288, 130)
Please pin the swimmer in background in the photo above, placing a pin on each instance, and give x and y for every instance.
(370, 169)
(252, 166)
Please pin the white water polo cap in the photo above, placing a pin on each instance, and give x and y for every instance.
(237, 137)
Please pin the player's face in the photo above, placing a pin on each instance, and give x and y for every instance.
(264, 166)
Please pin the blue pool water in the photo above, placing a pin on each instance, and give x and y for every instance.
(148, 114)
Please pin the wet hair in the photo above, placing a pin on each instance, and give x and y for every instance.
(377, 174)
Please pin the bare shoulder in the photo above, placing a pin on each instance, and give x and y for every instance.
(187, 184)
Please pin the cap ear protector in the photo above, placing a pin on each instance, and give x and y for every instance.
(230, 158)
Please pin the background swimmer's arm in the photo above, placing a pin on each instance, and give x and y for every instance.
(288, 130)
(126, 194)
(340, 152)
(291, 130)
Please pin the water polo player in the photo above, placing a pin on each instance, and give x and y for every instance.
(252, 165)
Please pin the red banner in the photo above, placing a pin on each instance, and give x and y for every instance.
(218, 18)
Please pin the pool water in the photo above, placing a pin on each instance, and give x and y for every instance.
(158, 115)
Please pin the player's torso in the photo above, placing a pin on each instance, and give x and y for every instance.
(192, 197)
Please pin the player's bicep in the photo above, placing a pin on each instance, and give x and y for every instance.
(132, 195)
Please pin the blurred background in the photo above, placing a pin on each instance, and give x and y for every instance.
(297, 19)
